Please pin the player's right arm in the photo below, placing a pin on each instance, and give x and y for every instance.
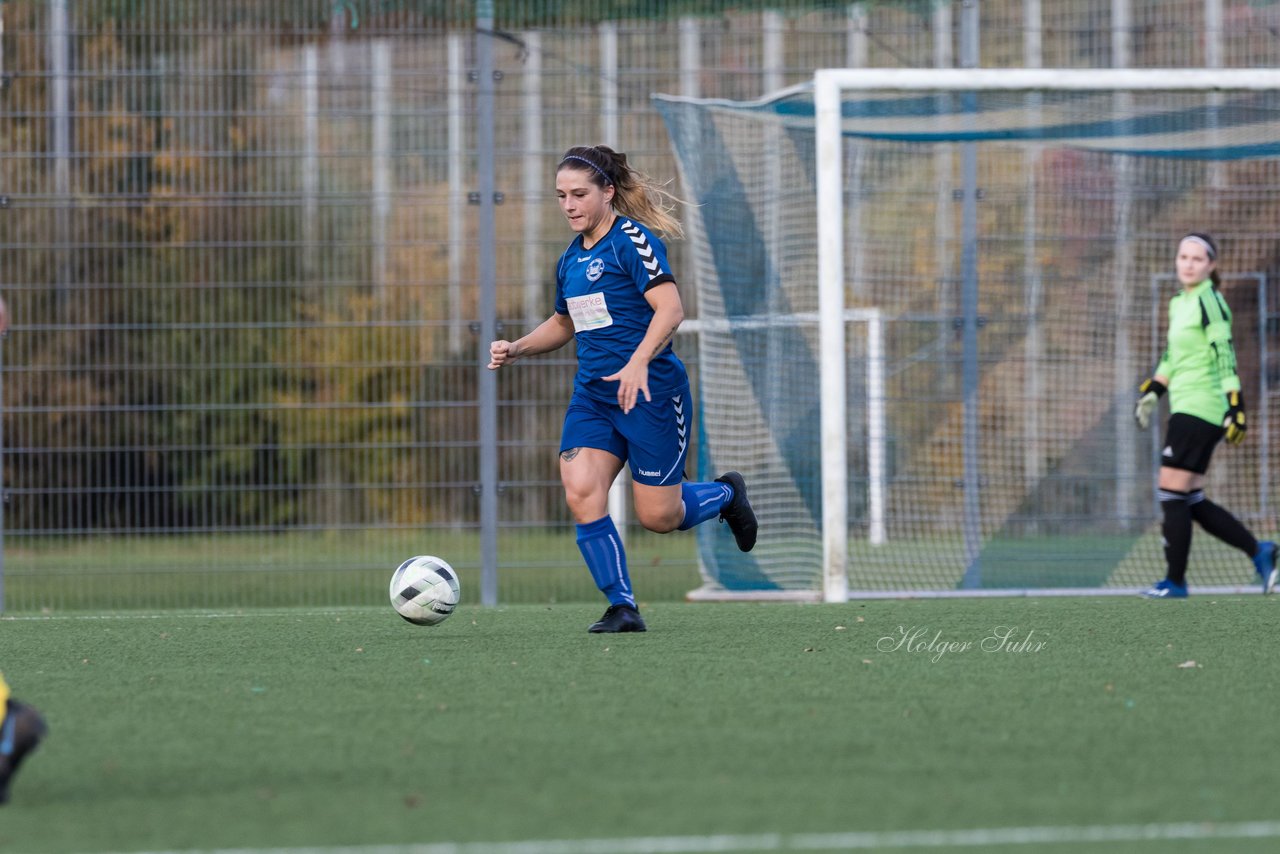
(552, 334)
(1150, 392)
(1153, 388)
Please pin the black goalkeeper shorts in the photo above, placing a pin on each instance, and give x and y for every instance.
(1189, 443)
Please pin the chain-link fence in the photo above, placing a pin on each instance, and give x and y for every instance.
(238, 243)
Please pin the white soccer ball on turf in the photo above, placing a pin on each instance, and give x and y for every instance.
(424, 590)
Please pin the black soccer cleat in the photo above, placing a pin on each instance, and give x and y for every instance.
(19, 734)
(738, 512)
(618, 618)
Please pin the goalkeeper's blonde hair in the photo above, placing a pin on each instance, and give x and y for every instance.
(635, 195)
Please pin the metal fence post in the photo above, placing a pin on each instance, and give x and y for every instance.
(487, 274)
(3, 501)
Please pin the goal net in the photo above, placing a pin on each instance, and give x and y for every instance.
(925, 300)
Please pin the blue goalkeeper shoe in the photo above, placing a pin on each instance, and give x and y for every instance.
(1265, 563)
(1165, 589)
(19, 735)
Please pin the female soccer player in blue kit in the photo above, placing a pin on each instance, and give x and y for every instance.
(616, 296)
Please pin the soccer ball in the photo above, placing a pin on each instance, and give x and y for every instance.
(424, 590)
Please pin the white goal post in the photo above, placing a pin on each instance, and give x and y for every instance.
(829, 88)
(876, 418)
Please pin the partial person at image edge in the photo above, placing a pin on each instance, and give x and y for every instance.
(21, 726)
(21, 729)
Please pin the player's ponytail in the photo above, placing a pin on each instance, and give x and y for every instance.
(1211, 249)
(635, 194)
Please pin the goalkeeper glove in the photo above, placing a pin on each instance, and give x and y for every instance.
(1234, 421)
(1148, 399)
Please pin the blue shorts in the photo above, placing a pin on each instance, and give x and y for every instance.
(653, 437)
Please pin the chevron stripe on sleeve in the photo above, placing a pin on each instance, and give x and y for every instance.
(651, 258)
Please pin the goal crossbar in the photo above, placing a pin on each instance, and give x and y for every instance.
(1046, 79)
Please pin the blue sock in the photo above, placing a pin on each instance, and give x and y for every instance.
(702, 501)
(601, 548)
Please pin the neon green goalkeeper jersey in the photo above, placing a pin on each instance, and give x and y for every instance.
(1199, 361)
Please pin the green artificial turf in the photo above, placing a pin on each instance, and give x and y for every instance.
(294, 728)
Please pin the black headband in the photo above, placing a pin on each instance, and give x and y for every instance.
(603, 173)
(1208, 247)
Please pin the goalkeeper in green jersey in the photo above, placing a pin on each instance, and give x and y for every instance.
(1198, 370)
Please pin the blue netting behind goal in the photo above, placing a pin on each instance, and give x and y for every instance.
(1080, 198)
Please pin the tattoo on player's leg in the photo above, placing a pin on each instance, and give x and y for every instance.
(569, 454)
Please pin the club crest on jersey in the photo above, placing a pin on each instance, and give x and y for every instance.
(595, 269)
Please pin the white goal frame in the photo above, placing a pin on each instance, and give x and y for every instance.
(876, 426)
(828, 87)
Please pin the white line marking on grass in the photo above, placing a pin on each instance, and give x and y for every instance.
(1044, 592)
(984, 837)
(863, 841)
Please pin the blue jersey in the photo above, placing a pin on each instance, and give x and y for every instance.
(602, 290)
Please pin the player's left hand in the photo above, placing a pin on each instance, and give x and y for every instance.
(632, 380)
(1233, 423)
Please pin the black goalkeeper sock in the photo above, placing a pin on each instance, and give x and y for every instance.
(1219, 522)
(1177, 534)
